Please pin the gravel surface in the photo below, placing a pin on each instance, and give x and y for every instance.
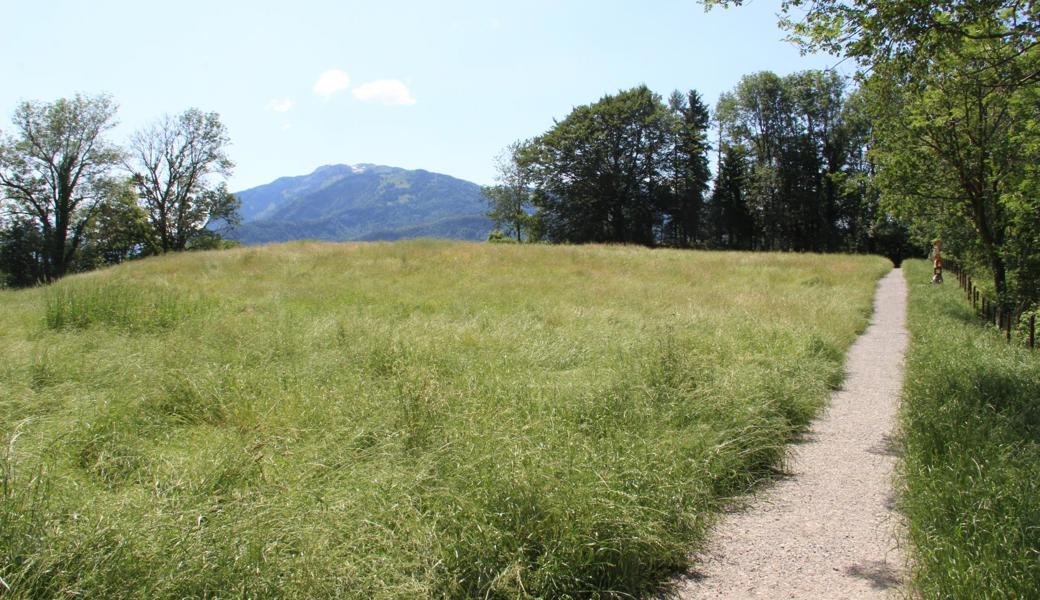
(828, 529)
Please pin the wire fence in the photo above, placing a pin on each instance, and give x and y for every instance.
(1007, 321)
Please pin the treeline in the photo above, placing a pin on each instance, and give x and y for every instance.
(793, 172)
(951, 91)
(71, 200)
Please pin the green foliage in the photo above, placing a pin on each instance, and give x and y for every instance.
(972, 452)
(118, 231)
(498, 236)
(731, 223)
(173, 163)
(683, 205)
(955, 154)
(627, 168)
(795, 166)
(953, 93)
(55, 171)
(404, 420)
(510, 200)
(62, 210)
(22, 258)
(206, 239)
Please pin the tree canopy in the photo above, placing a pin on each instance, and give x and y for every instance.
(65, 205)
(55, 171)
(792, 170)
(172, 164)
(628, 168)
(952, 95)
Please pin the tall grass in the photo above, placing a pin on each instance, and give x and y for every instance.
(411, 420)
(972, 467)
(115, 304)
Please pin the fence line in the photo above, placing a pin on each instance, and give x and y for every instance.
(1004, 319)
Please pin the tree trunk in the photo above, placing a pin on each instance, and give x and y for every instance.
(1000, 280)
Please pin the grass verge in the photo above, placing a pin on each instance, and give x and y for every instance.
(972, 466)
(408, 420)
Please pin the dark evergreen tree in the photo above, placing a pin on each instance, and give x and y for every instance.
(730, 221)
(690, 173)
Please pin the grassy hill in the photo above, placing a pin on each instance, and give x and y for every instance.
(402, 420)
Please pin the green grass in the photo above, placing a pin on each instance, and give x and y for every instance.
(410, 420)
(971, 414)
(131, 308)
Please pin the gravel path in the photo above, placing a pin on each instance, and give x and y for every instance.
(828, 530)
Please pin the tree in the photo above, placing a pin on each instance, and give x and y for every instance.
(22, 259)
(173, 164)
(55, 171)
(117, 231)
(689, 168)
(786, 126)
(954, 97)
(510, 198)
(730, 222)
(803, 172)
(600, 174)
(953, 151)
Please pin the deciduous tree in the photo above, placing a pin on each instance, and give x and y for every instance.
(600, 173)
(510, 200)
(176, 165)
(55, 171)
(954, 105)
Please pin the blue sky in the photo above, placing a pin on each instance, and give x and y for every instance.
(441, 85)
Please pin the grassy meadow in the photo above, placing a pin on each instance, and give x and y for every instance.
(971, 420)
(407, 420)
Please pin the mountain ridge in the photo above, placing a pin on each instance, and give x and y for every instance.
(340, 202)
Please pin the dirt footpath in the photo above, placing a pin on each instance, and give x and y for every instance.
(829, 529)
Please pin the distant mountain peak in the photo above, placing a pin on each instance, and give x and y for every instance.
(342, 202)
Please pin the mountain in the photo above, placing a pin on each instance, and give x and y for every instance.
(362, 202)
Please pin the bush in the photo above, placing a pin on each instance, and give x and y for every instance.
(499, 237)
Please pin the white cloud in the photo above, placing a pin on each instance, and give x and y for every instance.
(384, 91)
(330, 82)
(282, 105)
(286, 126)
